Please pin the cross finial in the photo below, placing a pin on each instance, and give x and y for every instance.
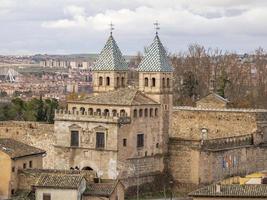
(111, 28)
(156, 24)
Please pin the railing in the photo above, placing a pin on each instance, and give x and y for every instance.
(222, 143)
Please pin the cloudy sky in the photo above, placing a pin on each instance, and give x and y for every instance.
(81, 26)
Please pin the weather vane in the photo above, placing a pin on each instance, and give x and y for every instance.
(156, 24)
(111, 27)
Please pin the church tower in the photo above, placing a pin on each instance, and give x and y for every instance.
(110, 70)
(155, 80)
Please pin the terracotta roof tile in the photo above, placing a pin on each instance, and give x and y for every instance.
(16, 149)
(100, 189)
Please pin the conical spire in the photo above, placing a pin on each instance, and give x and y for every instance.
(110, 58)
(156, 59)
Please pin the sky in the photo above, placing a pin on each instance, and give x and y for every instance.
(82, 26)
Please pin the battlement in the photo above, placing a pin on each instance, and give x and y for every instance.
(66, 115)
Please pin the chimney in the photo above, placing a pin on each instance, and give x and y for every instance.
(218, 187)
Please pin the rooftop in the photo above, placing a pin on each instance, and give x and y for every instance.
(110, 58)
(100, 189)
(60, 181)
(234, 190)
(16, 149)
(124, 96)
(156, 59)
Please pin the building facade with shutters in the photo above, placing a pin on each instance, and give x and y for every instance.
(120, 130)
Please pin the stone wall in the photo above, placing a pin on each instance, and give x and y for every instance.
(187, 123)
(40, 135)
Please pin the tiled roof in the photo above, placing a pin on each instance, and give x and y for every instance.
(259, 190)
(156, 59)
(216, 96)
(123, 96)
(110, 58)
(16, 149)
(99, 189)
(63, 181)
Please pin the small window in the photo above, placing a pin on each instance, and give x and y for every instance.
(157, 145)
(141, 113)
(146, 82)
(124, 142)
(74, 139)
(46, 196)
(98, 111)
(156, 112)
(114, 113)
(163, 82)
(122, 113)
(100, 140)
(151, 112)
(135, 113)
(30, 164)
(90, 111)
(168, 82)
(100, 83)
(13, 169)
(118, 81)
(108, 81)
(122, 82)
(153, 82)
(146, 112)
(12, 191)
(24, 165)
(140, 140)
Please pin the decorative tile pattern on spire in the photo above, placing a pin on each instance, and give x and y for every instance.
(110, 58)
(156, 59)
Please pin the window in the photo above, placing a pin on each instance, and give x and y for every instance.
(46, 196)
(74, 142)
(98, 111)
(30, 164)
(140, 140)
(163, 82)
(100, 83)
(118, 81)
(108, 81)
(100, 140)
(153, 82)
(156, 112)
(146, 112)
(82, 110)
(122, 82)
(141, 113)
(146, 82)
(151, 112)
(168, 82)
(122, 113)
(24, 165)
(106, 112)
(124, 142)
(90, 111)
(135, 113)
(12, 191)
(13, 169)
(157, 145)
(114, 113)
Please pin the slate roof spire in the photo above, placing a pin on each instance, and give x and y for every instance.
(156, 59)
(110, 58)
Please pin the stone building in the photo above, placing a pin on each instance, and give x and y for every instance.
(210, 142)
(119, 130)
(15, 155)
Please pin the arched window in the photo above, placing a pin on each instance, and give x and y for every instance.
(90, 111)
(106, 112)
(108, 81)
(156, 112)
(153, 82)
(168, 82)
(135, 113)
(146, 112)
(73, 109)
(151, 112)
(122, 113)
(122, 82)
(141, 113)
(114, 113)
(100, 81)
(118, 81)
(82, 110)
(87, 168)
(146, 82)
(98, 111)
(163, 82)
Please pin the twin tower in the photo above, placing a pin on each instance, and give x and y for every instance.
(110, 72)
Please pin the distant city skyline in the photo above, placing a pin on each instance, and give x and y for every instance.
(82, 26)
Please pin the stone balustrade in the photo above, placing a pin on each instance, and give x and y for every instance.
(85, 116)
(230, 142)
